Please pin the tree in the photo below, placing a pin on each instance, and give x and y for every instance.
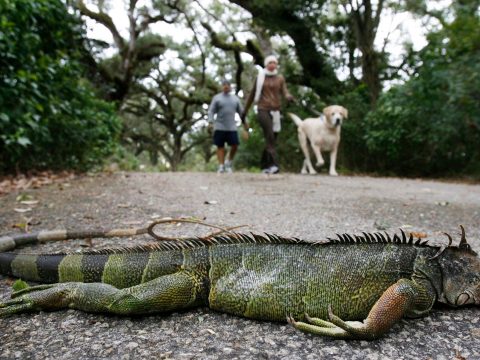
(296, 19)
(167, 107)
(135, 51)
(431, 125)
(50, 117)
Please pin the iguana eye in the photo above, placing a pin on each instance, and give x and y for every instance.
(462, 299)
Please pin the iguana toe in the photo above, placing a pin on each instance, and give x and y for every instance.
(319, 322)
(14, 307)
(31, 289)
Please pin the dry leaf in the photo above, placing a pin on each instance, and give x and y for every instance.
(22, 210)
(418, 234)
(29, 202)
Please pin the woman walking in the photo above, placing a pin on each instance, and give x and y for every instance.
(267, 93)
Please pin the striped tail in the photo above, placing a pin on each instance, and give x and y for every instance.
(8, 243)
(40, 268)
(121, 267)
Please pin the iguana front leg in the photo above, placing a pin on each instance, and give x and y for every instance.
(166, 293)
(404, 298)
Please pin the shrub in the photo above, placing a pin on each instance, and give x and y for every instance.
(50, 117)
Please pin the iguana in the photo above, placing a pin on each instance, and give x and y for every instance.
(323, 288)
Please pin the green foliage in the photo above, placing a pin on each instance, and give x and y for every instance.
(431, 125)
(49, 116)
(353, 152)
(250, 151)
(19, 284)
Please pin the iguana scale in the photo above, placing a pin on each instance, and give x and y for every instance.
(350, 287)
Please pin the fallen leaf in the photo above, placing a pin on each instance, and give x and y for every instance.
(418, 234)
(29, 202)
(20, 225)
(22, 210)
(24, 197)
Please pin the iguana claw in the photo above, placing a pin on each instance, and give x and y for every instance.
(291, 320)
(14, 307)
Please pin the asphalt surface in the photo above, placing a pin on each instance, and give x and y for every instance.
(308, 207)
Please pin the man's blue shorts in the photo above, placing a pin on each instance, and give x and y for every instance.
(220, 137)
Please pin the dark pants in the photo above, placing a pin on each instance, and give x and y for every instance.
(269, 156)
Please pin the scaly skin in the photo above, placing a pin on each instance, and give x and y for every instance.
(260, 278)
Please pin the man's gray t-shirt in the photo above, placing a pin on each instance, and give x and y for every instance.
(225, 106)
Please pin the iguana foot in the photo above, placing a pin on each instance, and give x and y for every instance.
(336, 327)
(319, 327)
(15, 306)
(41, 297)
(357, 329)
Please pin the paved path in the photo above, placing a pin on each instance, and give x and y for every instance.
(310, 207)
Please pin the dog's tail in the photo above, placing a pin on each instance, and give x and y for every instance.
(295, 119)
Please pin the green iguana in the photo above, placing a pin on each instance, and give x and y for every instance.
(320, 288)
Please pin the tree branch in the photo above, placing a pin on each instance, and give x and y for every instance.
(105, 20)
(249, 47)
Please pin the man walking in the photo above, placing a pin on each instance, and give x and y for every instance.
(225, 105)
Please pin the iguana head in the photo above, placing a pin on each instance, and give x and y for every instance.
(460, 268)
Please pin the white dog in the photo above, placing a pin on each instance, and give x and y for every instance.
(324, 135)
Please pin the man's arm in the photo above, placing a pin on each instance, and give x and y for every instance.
(239, 108)
(212, 109)
(242, 114)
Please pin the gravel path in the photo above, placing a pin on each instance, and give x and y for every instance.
(309, 207)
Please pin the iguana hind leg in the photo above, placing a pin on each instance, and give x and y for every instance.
(404, 298)
(166, 293)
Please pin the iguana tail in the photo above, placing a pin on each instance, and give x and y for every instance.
(8, 243)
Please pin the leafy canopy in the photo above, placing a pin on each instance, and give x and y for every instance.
(50, 116)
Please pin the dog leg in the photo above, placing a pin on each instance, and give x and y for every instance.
(318, 154)
(302, 138)
(333, 160)
(304, 167)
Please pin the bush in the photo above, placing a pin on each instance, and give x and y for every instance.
(49, 116)
(431, 125)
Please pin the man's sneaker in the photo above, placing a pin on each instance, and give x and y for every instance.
(221, 169)
(274, 169)
(266, 171)
(228, 167)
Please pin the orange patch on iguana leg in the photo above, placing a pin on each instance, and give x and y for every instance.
(391, 307)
